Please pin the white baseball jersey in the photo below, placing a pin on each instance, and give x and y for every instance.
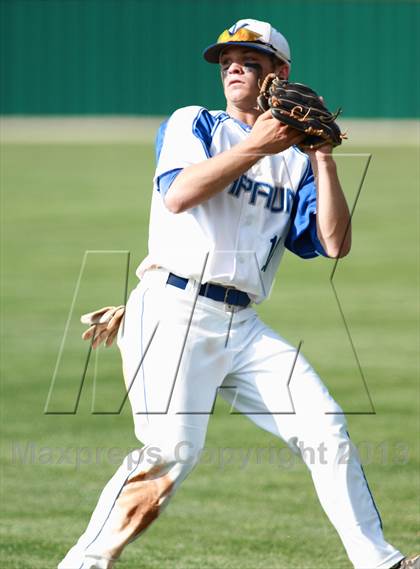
(238, 236)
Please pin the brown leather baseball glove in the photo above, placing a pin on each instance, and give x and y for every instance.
(299, 106)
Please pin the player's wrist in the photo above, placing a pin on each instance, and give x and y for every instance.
(322, 160)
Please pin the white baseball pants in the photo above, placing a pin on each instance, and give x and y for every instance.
(178, 350)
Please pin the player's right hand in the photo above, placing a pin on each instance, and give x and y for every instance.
(270, 136)
(104, 324)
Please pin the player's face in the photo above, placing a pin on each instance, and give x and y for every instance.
(243, 70)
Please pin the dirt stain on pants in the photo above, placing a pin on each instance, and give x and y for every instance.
(137, 506)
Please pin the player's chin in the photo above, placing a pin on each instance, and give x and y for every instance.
(238, 94)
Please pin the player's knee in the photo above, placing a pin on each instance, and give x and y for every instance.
(325, 444)
(326, 428)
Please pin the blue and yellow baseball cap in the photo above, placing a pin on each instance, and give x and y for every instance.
(252, 33)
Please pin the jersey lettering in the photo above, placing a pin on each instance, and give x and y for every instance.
(277, 199)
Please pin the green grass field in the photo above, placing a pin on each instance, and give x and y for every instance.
(61, 200)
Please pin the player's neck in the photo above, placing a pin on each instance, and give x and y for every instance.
(248, 116)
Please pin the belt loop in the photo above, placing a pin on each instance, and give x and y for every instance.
(206, 289)
(190, 285)
(226, 295)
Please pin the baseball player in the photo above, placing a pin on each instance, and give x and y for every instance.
(231, 192)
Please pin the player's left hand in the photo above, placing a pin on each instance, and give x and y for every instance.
(104, 324)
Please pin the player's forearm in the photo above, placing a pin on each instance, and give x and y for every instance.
(202, 181)
(333, 217)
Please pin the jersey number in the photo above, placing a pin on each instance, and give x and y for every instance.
(274, 244)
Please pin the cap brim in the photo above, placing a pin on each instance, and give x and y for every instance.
(212, 53)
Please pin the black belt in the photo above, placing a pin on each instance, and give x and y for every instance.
(216, 292)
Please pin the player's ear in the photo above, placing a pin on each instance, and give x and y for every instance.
(279, 68)
(282, 70)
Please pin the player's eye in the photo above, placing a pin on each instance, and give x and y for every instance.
(253, 65)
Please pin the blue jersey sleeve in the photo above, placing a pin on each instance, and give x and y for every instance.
(182, 140)
(302, 238)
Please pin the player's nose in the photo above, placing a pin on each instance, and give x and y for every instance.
(235, 67)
